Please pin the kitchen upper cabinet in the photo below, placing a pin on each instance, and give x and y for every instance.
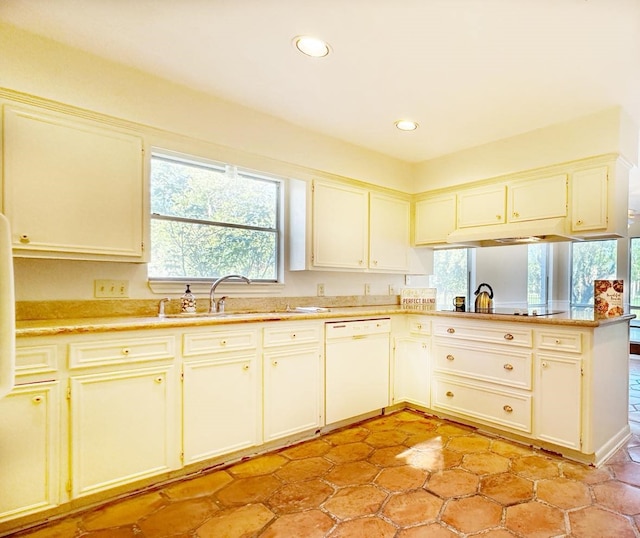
(435, 219)
(336, 226)
(340, 226)
(73, 187)
(389, 233)
(589, 199)
(535, 199)
(482, 206)
(30, 432)
(124, 427)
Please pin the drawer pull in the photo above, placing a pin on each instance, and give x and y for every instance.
(419, 326)
(450, 357)
(24, 238)
(544, 364)
(223, 343)
(37, 399)
(508, 366)
(424, 346)
(245, 367)
(451, 330)
(508, 408)
(274, 363)
(449, 394)
(293, 335)
(125, 350)
(159, 379)
(557, 341)
(508, 336)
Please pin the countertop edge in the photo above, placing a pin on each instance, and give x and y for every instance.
(114, 324)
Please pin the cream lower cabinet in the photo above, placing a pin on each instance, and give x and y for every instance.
(292, 371)
(411, 366)
(124, 409)
(30, 430)
(221, 393)
(483, 370)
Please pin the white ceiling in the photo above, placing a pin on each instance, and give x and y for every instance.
(469, 71)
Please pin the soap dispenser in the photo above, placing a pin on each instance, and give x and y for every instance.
(188, 302)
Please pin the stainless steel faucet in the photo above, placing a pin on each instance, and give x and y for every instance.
(219, 305)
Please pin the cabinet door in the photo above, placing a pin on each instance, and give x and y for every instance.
(221, 413)
(535, 199)
(29, 450)
(558, 398)
(72, 187)
(435, 219)
(589, 199)
(124, 427)
(389, 233)
(292, 384)
(411, 379)
(357, 376)
(482, 206)
(340, 226)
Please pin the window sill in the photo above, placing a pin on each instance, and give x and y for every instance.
(176, 288)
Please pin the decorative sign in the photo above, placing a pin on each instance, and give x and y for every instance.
(608, 298)
(422, 298)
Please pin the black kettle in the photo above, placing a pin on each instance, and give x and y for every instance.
(484, 300)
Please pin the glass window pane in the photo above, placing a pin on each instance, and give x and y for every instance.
(180, 249)
(591, 260)
(450, 275)
(209, 194)
(634, 276)
(537, 274)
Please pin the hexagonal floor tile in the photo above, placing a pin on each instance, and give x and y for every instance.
(355, 501)
(401, 478)
(618, 496)
(309, 524)
(310, 449)
(299, 496)
(261, 465)
(595, 522)
(472, 514)
(411, 508)
(535, 520)
(365, 527)
(353, 473)
(242, 521)
(248, 490)
(564, 493)
(485, 463)
(535, 467)
(507, 488)
(386, 438)
(349, 452)
(469, 444)
(453, 483)
(305, 469)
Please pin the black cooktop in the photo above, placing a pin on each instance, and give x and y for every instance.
(538, 311)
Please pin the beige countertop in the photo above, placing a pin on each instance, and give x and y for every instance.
(45, 327)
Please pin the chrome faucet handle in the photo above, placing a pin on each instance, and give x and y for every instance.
(164, 300)
(220, 305)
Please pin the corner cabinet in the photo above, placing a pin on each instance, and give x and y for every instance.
(336, 226)
(73, 186)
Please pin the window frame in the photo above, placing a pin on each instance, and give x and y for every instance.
(173, 284)
(581, 306)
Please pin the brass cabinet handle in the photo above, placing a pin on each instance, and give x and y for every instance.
(275, 363)
(450, 357)
(508, 336)
(508, 366)
(159, 379)
(557, 341)
(245, 367)
(508, 408)
(544, 364)
(499, 217)
(449, 394)
(24, 238)
(293, 335)
(419, 326)
(451, 330)
(125, 350)
(579, 222)
(223, 343)
(37, 399)
(516, 214)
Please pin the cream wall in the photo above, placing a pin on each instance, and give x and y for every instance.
(196, 122)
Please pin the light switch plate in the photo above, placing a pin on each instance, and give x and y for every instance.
(110, 288)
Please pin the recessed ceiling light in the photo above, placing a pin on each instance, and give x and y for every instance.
(311, 46)
(406, 125)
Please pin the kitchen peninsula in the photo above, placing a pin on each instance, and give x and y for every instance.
(169, 396)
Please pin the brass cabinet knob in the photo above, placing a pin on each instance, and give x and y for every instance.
(508, 408)
(126, 351)
(508, 366)
(450, 357)
(37, 399)
(451, 330)
(159, 379)
(449, 394)
(24, 238)
(508, 336)
(245, 367)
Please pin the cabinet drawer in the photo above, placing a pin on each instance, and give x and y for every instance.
(218, 342)
(559, 341)
(484, 403)
(102, 353)
(503, 366)
(513, 336)
(291, 335)
(419, 325)
(36, 360)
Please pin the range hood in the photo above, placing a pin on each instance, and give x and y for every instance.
(513, 233)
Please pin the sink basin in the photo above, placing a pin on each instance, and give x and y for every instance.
(200, 315)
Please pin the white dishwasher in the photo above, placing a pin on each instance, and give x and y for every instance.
(357, 367)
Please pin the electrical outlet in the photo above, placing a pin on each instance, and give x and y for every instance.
(392, 289)
(367, 289)
(320, 290)
(111, 288)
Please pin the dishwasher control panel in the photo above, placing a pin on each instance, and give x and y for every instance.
(357, 327)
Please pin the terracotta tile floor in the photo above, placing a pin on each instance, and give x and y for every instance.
(404, 475)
